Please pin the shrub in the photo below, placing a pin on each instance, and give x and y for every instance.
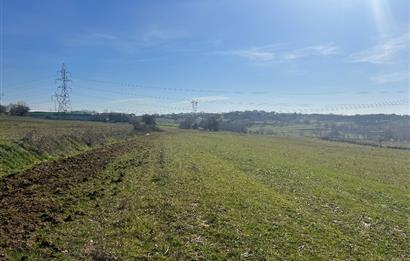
(3, 109)
(139, 126)
(18, 109)
(211, 123)
(149, 120)
(235, 125)
(187, 123)
(146, 123)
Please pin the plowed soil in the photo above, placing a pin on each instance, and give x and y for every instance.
(28, 200)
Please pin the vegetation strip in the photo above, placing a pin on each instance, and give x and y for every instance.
(28, 200)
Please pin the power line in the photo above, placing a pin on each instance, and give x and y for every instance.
(151, 87)
(161, 108)
(186, 98)
(63, 99)
(27, 83)
(155, 97)
(351, 107)
(318, 93)
(225, 102)
(156, 105)
(324, 108)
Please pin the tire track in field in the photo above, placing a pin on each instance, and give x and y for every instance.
(30, 200)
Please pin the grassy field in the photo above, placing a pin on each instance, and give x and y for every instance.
(294, 130)
(25, 141)
(15, 128)
(197, 195)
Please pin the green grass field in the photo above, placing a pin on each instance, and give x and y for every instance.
(14, 128)
(25, 141)
(197, 195)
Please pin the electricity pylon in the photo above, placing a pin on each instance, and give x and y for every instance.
(194, 106)
(62, 94)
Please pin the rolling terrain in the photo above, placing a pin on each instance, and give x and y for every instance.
(25, 141)
(198, 195)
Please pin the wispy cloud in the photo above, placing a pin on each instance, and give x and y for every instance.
(93, 39)
(389, 78)
(314, 50)
(131, 44)
(384, 53)
(255, 54)
(155, 33)
(281, 52)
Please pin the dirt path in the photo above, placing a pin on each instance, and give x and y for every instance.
(29, 200)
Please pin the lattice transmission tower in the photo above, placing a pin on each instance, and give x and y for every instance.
(194, 106)
(62, 94)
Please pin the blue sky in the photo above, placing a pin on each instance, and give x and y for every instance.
(328, 56)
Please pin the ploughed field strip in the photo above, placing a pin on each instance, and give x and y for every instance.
(29, 200)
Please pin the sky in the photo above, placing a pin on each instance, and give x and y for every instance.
(312, 56)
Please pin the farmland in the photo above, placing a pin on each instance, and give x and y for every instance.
(375, 130)
(204, 130)
(26, 141)
(189, 194)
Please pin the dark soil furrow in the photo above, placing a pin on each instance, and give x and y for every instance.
(29, 200)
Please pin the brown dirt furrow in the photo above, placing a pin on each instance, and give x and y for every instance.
(28, 200)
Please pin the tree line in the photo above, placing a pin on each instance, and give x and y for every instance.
(15, 109)
(376, 127)
(210, 123)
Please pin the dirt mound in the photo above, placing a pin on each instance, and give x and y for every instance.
(28, 200)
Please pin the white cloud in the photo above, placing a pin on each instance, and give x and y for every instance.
(252, 54)
(130, 45)
(93, 39)
(155, 33)
(280, 53)
(315, 50)
(384, 53)
(389, 78)
(255, 54)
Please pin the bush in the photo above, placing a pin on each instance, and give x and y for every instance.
(139, 126)
(146, 123)
(187, 123)
(211, 123)
(149, 120)
(19, 109)
(235, 125)
(3, 109)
